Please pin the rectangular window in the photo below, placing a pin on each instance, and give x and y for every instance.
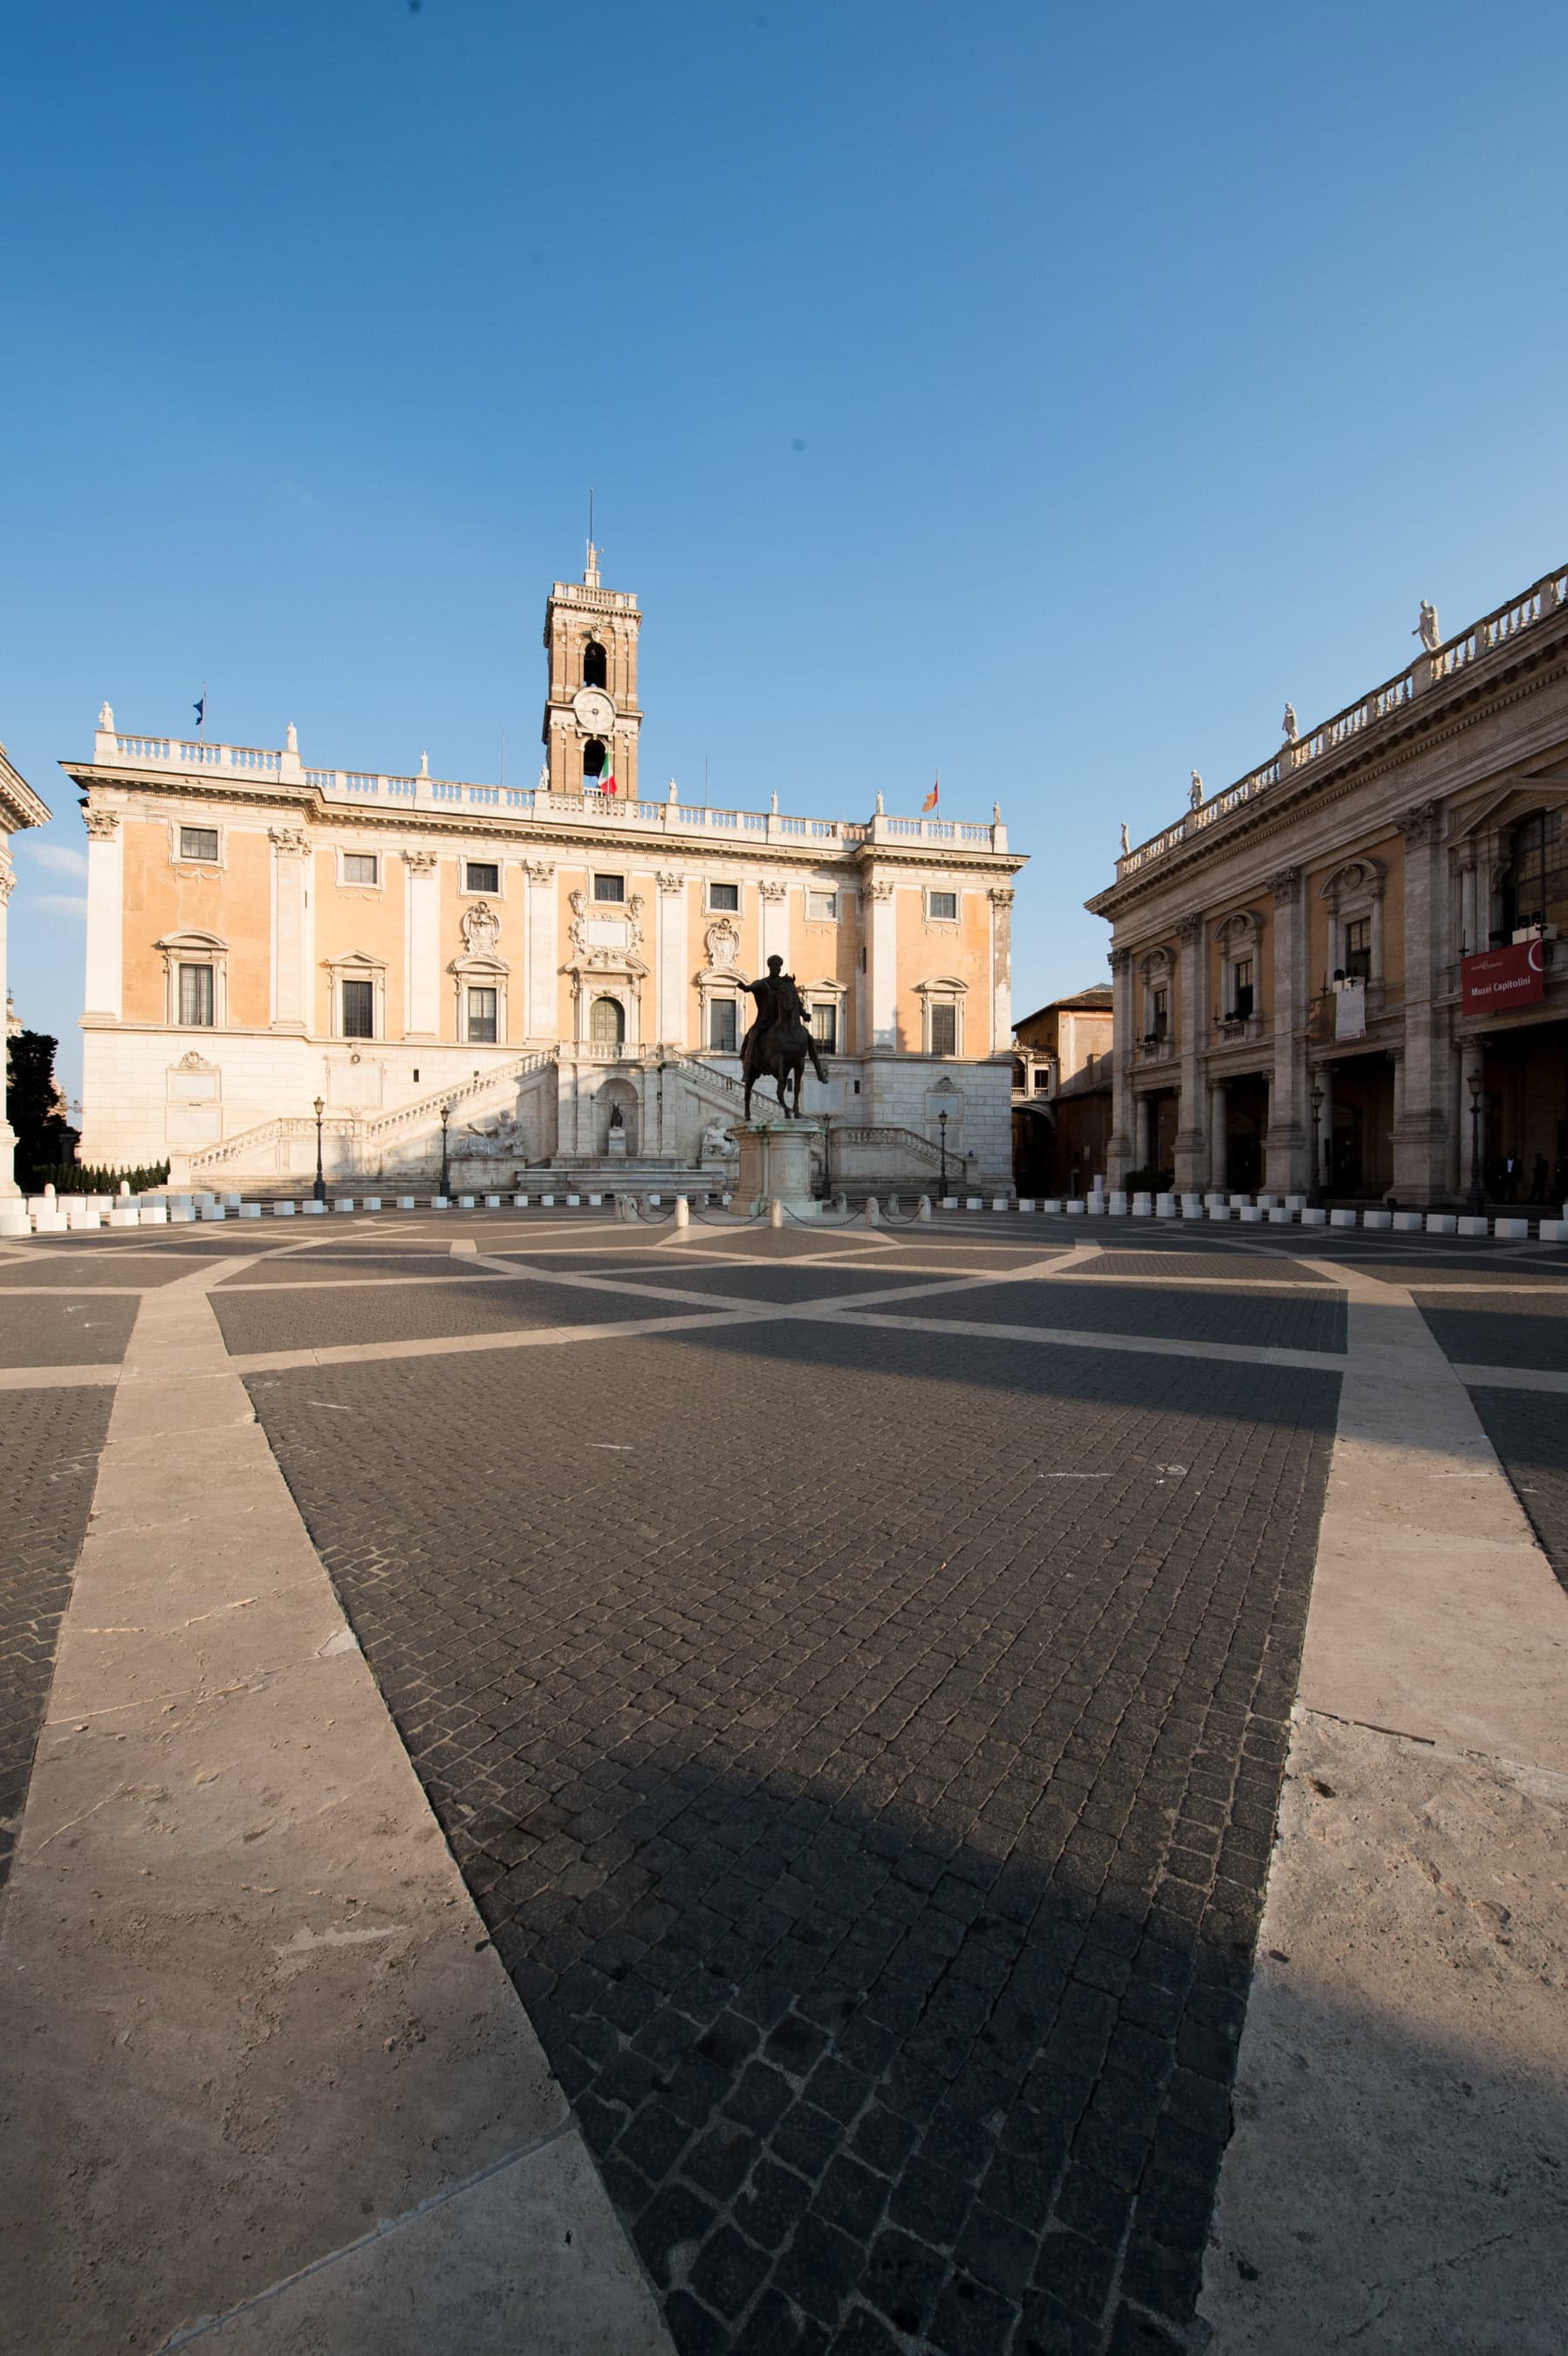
(1241, 988)
(941, 907)
(1043, 1080)
(359, 1009)
(1358, 949)
(825, 1027)
(195, 994)
(360, 867)
(723, 1035)
(722, 896)
(821, 907)
(1162, 1013)
(198, 842)
(482, 1016)
(610, 888)
(481, 875)
(945, 1030)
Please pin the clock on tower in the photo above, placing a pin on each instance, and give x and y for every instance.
(591, 715)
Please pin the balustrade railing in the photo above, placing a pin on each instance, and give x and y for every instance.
(1429, 670)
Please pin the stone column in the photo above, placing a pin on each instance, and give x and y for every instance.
(1119, 1150)
(1001, 969)
(290, 990)
(671, 976)
(105, 903)
(1469, 939)
(1192, 1143)
(1421, 1129)
(1289, 1143)
(421, 945)
(1143, 1131)
(1324, 1079)
(1218, 1138)
(774, 923)
(879, 932)
(544, 1000)
(1472, 1066)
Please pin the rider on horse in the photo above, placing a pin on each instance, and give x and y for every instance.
(780, 1039)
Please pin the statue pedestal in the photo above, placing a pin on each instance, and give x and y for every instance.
(615, 1145)
(775, 1166)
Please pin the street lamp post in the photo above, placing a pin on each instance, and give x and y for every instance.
(943, 1127)
(1478, 1198)
(445, 1164)
(320, 1189)
(1315, 1192)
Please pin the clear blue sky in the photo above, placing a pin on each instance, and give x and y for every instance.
(1038, 394)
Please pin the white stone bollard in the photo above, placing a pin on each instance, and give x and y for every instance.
(124, 1185)
(493, 1203)
(1279, 1216)
(1142, 1206)
(1075, 1209)
(1513, 1231)
(1026, 1202)
(973, 1202)
(547, 1202)
(370, 1203)
(776, 1213)
(48, 1221)
(1164, 1207)
(343, 1203)
(655, 1199)
(1252, 1215)
(923, 1208)
(79, 1212)
(1341, 1218)
(1376, 1219)
(1211, 1201)
(950, 1202)
(1441, 1223)
(313, 1209)
(1475, 1227)
(214, 1210)
(1409, 1223)
(574, 1202)
(873, 1212)
(1192, 1206)
(1296, 1202)
(683, 1210)
(441, 1202)
(1313, 1218)
(465, 1202)
(155, 1215)
(1118, 1202)
(1554, 1231)
(998, 1203)
(126, 1215)
(284, 1210)
(596, 1202)
(231, 1202)
(249, 1210)
(1096, 1206)
(14, 1219)
(519, 1201)
(1219, 1208)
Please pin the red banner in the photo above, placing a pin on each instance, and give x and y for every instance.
(1495, 979)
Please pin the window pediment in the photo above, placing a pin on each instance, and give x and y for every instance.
(192, 944)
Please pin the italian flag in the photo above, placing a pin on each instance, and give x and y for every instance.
(608, 773)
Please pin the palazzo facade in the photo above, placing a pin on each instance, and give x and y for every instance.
(1348, 966)
(562, 967)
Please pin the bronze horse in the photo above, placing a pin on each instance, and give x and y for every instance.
(779, 1041)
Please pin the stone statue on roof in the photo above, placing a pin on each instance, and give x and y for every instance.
(1289, 725)
(1426, 630)
(1195, 793)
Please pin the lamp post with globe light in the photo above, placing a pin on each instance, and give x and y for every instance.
(319, 1191)
(1476, 1203)
(446, 1162)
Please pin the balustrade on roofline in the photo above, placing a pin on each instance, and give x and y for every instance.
(439, 794)
(1428, 670)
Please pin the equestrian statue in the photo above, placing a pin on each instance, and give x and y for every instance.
(779, 1040)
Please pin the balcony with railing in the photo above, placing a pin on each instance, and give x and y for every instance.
(1434, 669)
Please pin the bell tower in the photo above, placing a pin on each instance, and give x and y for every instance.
(591, 715)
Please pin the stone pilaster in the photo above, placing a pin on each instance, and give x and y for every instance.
(1191, 1138)
(421, 945)
(290, 990)
(1001, 968)
(1289, 1141)
(1421, 1125)
(1120, 1148)
(105, 901)
(543, 1007)
(672, 952)
(775, 928)
(879, 933)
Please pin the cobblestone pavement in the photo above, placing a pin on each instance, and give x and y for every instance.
(1529, 1431)
(81, 1333)
(876, 1840)
(863, 1744)
(53, 1438)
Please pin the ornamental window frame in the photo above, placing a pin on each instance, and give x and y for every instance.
(831, 996)
(346, 883)
(713, 907)
(467, 891)
(935, 892)
(195, 948)
(356, 965)
(1156, 973)
(1239, 938)
(1352, 891)
(834, 898)
(179, 857)
(942, 990)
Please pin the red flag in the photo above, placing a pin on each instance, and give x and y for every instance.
(931, 801)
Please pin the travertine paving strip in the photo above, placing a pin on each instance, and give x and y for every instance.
(1403, 2082)
(252, 2015)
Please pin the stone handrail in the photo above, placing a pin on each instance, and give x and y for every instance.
(907, 1141)
(429, 1106)
(1455, 654)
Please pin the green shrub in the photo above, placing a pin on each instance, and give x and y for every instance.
(87, 1178)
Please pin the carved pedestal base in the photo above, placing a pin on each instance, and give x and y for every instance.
(775, 1166)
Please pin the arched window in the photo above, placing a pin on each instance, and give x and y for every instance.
(1535, 891)
(593, 761)
(593, 673)
(607, 1022)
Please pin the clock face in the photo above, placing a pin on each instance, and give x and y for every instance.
(595, 711)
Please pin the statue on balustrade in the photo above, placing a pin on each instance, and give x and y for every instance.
(779, 1040)
(1194, 795)
(1426, 630)
(1289, 725)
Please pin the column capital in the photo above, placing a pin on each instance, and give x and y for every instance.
(420, 862)
(1000, 896)
(1119, 959)
(289, 841)
(7, 879)
(669, 882)
(1190, 928)
(1419, 823)
(880, 893)
(1284, 885)
(102, 825)
(543, 870)
(773, 891)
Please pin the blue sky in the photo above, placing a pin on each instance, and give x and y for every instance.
(1039, 395)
